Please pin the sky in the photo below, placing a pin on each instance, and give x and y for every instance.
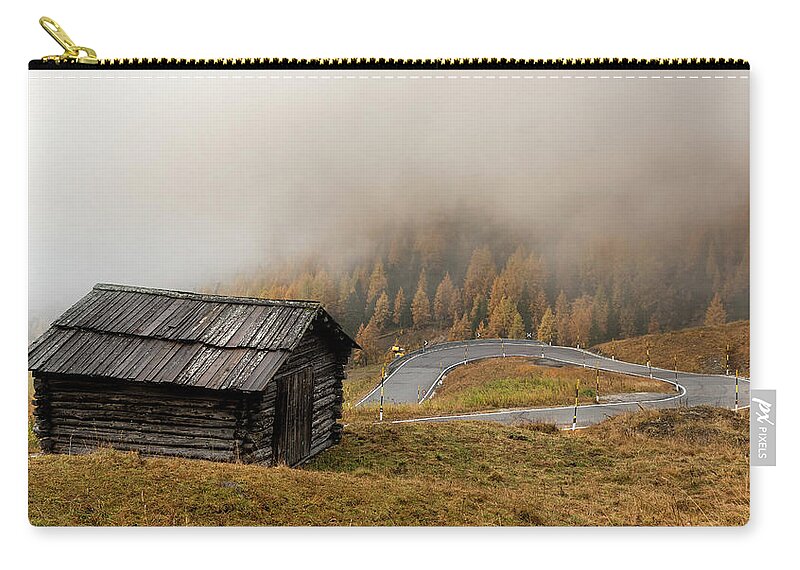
(184, 179)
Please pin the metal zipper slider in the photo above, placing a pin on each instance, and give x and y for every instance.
(72, 52)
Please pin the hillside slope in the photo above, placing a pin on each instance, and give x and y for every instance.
(673, 467)
(699, 349)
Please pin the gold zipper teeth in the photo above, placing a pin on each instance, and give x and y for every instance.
(78, 55)
(420, 63)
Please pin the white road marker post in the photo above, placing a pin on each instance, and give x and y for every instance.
(466, 353)
(503, 347)
(575, 413)
(419, 393)
(677, 388)
(596, 386)
(649, 365)
(383, 377)
(736, 405)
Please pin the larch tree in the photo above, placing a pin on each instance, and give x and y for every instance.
(398, 250)
(360, 356)
(496, 325)
(351, 304)
(516, 275)
(517, 328)
(562, 316)
(537, 307)
(547, 327)
(399, 317)
(600, 311)
(460, 329)
(716, 313)
(480, 274)
(503, 318)
(299, 287)
(479, 311)
(324, 290)
(431, 245)
(446, 301)
(536, 273)
(421, 305)
(382, 314)
(367, 339)
(580, 319)
(497, 292)
(377, 281)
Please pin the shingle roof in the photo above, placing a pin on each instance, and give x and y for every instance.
(155, 335)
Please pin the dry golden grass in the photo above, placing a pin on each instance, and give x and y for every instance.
(674, 467)
(519, 381)
(700, 349)
(360, 380)
(501, 383)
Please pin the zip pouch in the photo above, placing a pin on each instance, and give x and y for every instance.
(388, 292)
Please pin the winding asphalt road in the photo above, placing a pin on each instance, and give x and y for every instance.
(423, 371)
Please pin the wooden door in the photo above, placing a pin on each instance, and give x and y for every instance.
(291, 441)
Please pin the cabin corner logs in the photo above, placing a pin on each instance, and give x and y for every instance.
(217, 378)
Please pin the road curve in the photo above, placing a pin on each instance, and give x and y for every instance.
(421, 372)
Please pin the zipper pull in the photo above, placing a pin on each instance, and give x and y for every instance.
(72, 52)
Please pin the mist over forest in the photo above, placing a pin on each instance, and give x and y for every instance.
(461, 276)
(620, 206)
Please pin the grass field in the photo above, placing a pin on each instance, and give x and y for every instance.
(700, 349)
(499, 383)
(684, 466)
(674, 467)
(360, 380)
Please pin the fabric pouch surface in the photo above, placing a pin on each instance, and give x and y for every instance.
(260, 261)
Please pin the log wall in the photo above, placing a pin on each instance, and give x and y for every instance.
(328, 365)
(74, 414)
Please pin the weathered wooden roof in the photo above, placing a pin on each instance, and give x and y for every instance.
(154, 335)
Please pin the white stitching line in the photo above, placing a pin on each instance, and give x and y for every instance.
(478, 77)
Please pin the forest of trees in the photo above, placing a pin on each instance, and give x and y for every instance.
(442, 276)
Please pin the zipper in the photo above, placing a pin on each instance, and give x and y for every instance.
(72, 53)
(79, 57)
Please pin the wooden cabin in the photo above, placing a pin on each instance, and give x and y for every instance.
(190, 375)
